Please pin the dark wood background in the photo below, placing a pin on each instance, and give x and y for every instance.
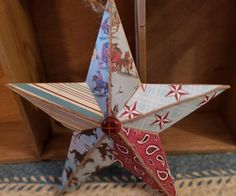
(67, 31)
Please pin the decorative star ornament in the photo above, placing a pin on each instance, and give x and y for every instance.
(115, 117)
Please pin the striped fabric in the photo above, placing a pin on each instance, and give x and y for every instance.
(72, 104)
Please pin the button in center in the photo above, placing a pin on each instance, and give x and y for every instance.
(111, 126)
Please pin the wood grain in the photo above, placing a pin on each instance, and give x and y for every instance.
(9, 110)
(67, 36)
(192, 42)
(16, 143)
(140, 33)
(199, 133)
(21, 61)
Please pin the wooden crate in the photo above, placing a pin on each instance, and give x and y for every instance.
(52, 41)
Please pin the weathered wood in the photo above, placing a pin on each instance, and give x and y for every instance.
(140, 34)
(20, 58)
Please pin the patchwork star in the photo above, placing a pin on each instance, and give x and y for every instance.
(176, 90)
(111, 127)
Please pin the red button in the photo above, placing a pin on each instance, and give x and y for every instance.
(111, 126)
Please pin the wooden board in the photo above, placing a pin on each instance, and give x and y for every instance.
(192, 42)
(198, 133)
(67, 36)
(16, 145)
(9, 109)
(21, 61)
(140, 35)
(59, 143)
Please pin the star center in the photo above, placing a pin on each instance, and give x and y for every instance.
(111, 126)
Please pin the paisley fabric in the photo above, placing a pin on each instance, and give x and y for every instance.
(145, 158)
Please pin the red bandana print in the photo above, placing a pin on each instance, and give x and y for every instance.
(152, 156)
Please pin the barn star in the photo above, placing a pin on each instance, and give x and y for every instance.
(101, 136)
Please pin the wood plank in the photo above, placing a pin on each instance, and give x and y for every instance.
(198, 133)
(191, 42)
(20, 58)
(9, 110)
(14, 147)
(16, 144)
(140, 34)
(67, 36)
(59, 142)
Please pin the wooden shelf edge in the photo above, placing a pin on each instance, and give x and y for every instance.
(198, 133)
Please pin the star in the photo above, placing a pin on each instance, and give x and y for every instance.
(130, 111)
(111, 127)
(176, 90)
(161, 120)
(206, 99)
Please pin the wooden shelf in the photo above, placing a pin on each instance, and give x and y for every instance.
(198, 133)
(59, 143)
(16, 145)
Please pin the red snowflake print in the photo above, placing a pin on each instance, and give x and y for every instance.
(176, 90)
(206, 99)
(130, 111)
(161, 120)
